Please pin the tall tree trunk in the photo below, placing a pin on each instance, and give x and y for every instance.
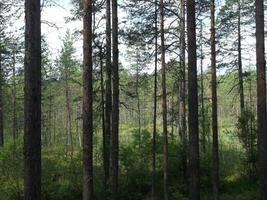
(215, 149)
(14, 99)
(103, 117)
(182, 103)
(108, 106)
(240, 69)
(115, 107)
(164, 103)
(32, 102)
(155, 104)
(87, 102)
(1, 103)
(193, 166)
(261, 100)
(203, 118)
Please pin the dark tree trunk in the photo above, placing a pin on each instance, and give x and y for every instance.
(32, 102)
(155, 104)
(182, 103)
(108, 106)
(87, 102)
(164, 104)
(116, 103)
(261, 100)
(215, 149)
(103, 118)
(240, 69)
(1, 103)
(193, 167)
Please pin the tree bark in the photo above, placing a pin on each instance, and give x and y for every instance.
(87, 102)
(115, 107)
(32, 102)
(215, 149)
(108, 106)
(261, 100)
(182, 103)
(193, 166)
(164, 104)
(155, 104)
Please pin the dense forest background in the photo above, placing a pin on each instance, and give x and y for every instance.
(153, 138)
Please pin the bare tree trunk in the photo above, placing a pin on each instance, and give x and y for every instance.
(164, 104)
(203, 118)
(115, 107)
(215, 149)
(14, 100)
(182, 103)
(87, 102)
(155, 104)
(240, 68)
(108, 106)
(32, 102)
(261, 100)
(193, 167)
(1, 103)
(105, 156)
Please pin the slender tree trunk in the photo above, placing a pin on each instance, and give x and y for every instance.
(240, 68)
(14, 100)
(105, 158)
(32, 102)
(116, 103)
(155, 104)
(108, 106)
(69, 142)
(215, 149)
(261, 100)
(1, 103)
(164, 104)
(203, 118)
(182, 103)
(87, 102)
(193, 167)
(138, 101)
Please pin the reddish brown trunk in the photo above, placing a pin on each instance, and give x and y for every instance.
(261, 100)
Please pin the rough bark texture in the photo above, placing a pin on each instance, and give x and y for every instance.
(240, 69)
(261, 100)
(155, 104)
(164, 104)
(193, 166)
(32, 102)
(215, 149)
(182, 103)
(115, 107)
(108, 106)
(87, 102)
